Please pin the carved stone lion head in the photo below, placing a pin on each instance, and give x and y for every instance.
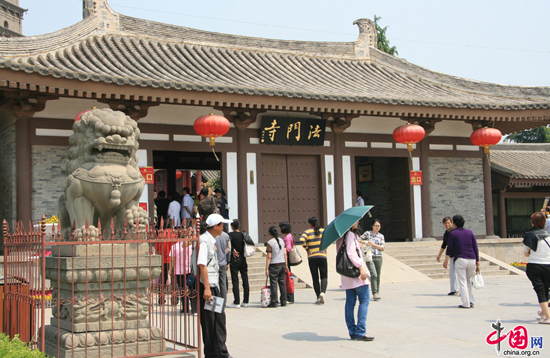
(103, 136)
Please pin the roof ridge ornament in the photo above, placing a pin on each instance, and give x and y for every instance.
(108, 18)
(367, 38)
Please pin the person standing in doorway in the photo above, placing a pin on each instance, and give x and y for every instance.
(317, 259)
(186, 207)
(238, 264)
(448, 223)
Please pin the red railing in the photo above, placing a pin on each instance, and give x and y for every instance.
(102, 295)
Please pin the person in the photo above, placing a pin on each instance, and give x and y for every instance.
(207, 204)
(275, 267)
(356, 288)
(547, 226)
(359, 201)
(162, 207)
(289, 244)
(448, 223)
(536, 246)
(238, 264)
(186, 207)
(223, 248)
(174, 210)
(163, 249)
(463, 247)
(222, 203)
(180, 265)
(378, 243)
(214, 331)
(317, 259)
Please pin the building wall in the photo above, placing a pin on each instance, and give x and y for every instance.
(8, 178)
(456, 187)
(49, 178)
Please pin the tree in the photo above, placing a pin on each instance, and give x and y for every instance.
(535, 135)
(383, 42)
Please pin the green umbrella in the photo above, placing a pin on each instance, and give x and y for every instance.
(343, 223)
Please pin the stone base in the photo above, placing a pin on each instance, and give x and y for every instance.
(105, 250)
(94, 326)
(115, 350)
(118, 343)
(416, 239)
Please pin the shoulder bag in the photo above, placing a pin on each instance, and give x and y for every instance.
(249, 249)
(294, 257)
(344, 266)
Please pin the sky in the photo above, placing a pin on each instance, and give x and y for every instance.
(497, 41)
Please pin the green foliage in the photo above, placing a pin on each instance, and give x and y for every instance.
(383, 42)
(16, 348)
(535, 135)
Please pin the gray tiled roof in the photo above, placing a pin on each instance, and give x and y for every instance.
(522, 161)
(151, 54)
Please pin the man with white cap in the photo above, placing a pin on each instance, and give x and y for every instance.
(214, 332)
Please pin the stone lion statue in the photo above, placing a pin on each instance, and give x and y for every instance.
(104, 180)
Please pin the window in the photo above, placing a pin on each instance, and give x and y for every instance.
(6, 25)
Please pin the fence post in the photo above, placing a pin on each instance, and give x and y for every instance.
(43, 279)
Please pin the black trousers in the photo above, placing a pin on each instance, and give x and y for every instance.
(319, 268)
(239, 265)
(277, 276)
(540, 278)
(213, 329)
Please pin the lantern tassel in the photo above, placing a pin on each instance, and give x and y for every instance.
(215, 155)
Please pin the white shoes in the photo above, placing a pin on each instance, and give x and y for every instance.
(318, 302)
(322, 298)
(244, 305)
(235, 306)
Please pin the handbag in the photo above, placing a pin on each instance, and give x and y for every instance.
(477, 280)
(344, 266)
(249, 249)
(289, 283)
(294, 257)
(367, 254)
(265, 295)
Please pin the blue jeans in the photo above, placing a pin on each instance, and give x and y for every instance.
(360, 329)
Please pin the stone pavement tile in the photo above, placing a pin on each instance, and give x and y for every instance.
(411, 320)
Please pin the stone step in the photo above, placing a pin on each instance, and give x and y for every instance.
(439, 265)
(427, 271)
(412, 256)
(503, 272)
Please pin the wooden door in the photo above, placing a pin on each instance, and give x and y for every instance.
(400, 200)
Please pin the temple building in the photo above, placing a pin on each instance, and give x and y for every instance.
(11, 18)
(311, 122)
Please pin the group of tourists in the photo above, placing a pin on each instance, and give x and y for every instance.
(462, 259)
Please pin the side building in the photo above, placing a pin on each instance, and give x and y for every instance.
(311, 122)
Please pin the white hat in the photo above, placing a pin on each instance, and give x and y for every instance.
(215, 219)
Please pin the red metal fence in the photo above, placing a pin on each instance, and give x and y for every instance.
(115, 294)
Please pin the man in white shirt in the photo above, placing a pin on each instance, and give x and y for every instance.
(186, 207)
(214, 332)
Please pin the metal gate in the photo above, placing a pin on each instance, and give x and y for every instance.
(98, 296)
(290, 191)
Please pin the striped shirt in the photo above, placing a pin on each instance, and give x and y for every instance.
(312, 243)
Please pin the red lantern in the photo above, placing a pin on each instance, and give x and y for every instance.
(211, 126)
(178, 174)
(409, 134)
(486, 137)
(79, 115)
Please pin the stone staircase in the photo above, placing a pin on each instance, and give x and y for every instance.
(422, 256)
(256, 274)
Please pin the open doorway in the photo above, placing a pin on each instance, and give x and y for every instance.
(384, 183)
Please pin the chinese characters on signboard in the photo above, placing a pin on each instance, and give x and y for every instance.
(292, 131)
(148, 174)
(416, 177)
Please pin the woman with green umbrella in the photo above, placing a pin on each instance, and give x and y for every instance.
(356, 288)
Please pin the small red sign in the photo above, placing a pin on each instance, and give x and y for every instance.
(148, 174)
(143, 206)
(416, 177)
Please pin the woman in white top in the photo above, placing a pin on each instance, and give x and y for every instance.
(174, 210)
(377, 244)
(536, 246)
(275, 268)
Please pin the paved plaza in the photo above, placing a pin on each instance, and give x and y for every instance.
(413, 319)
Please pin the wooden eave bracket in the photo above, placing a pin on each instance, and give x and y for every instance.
(133, 109)
(240, 117)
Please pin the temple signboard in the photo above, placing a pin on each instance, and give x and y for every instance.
(292, 131)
